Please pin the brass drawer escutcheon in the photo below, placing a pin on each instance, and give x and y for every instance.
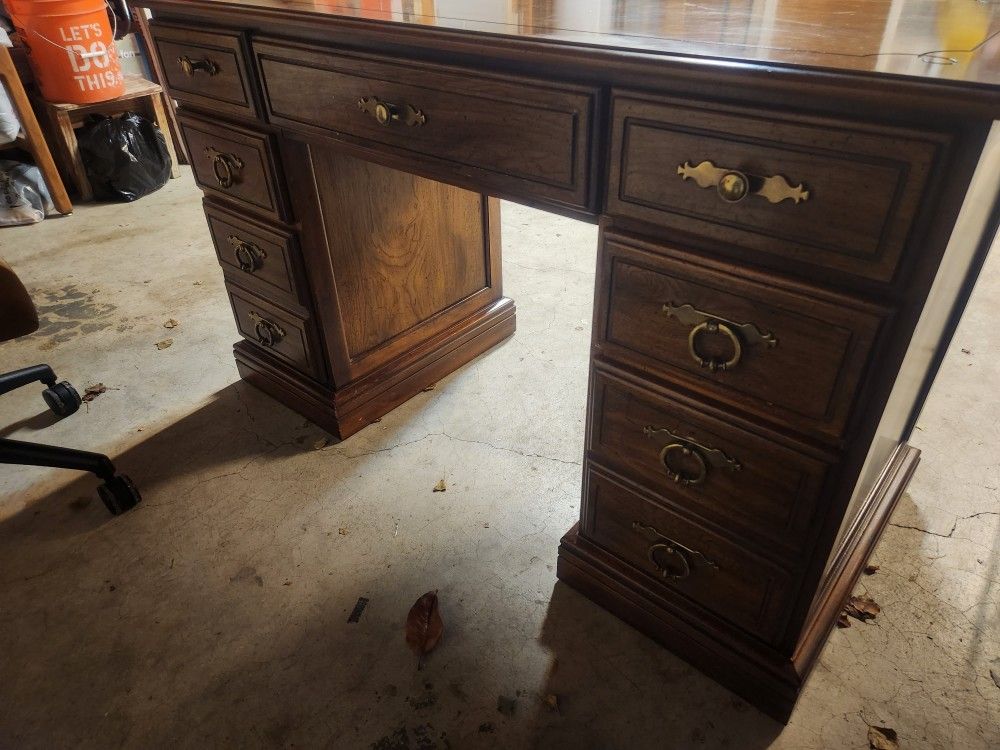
(686, 559)
(737, 333)
(226, 166)
(267, 331)
(703, 455)
(249, 257)
(386, 113)
(734, 185)
(205, 65)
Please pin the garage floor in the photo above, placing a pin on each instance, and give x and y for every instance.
(215, 614)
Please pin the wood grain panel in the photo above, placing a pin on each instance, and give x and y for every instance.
(403, 248)
(227, 89)
(865, 184)
(768, 496)
(806, 381)
(739, 586)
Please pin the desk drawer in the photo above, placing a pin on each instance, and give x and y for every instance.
(205, 69)
(287, 336)
(685, 558)
(779, 350)
(523, 138)
(748, 484)
(261, 257)
(861, 186)
(235, 163)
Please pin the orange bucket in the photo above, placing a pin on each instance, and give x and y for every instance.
(71, 48)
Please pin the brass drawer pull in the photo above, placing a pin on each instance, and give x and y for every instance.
(267, 331)
(249, 257)
(226, 166)
(734, 185)
(190, 67)
(706, 323)
(386, 113)
(686, 447)
(684, 558)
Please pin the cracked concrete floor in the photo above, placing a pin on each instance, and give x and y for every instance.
(215, 614)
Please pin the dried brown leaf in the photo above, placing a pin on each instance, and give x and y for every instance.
(164, 344)
(320, 444)
(871, 570)
(882, 738)
(551, 702)
(170, 323)
(342, 531)
(424, 626)
(440, 487)
(843, 621)
(93, 391)
(862, 608)
(996, 677)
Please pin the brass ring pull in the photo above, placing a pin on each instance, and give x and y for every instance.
(733, 185)
(249, 257)
(267, 331)
(190, 67)
(704, 456)
(686, 559)
(714, 364)
(225, 166)
(386, 114)
(686, 451)
(739, 335)
(675, 556)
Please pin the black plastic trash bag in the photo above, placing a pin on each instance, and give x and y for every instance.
(126, 157)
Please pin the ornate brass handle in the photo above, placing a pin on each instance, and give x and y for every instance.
(386, 113)
(706, 323)
(190, 67)
(734, 185)
(226, 166)
(686, 447)
(249, 257)
(685, 558)
(267, 331)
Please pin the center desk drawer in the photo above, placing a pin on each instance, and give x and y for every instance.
(782, 351)
(750, 485)
(685, 558)
(861, 185)
(236, 163)
(519, 136)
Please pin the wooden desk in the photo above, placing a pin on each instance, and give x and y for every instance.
(794, 199)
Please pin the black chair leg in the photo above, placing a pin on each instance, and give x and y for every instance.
(61, 398)
(117, 492)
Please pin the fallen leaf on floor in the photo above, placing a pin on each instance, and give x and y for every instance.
(342, 531)
(966, 351)
(871, 570)
(996, 677)
(93, 391)
(287, 583)
(358, 609)
(430, 387)
(551, 702)
(440, 487)
(843, 621)
(424, 626)
(320, 444)
(171, 323)
(197, 283)
(486, 525)
(506, 705)
(882, 738)
(164, 344)
(862, 608)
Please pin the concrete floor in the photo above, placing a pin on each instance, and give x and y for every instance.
(215, 614)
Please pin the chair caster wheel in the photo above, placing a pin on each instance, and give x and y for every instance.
(62, 399)
(119, 494)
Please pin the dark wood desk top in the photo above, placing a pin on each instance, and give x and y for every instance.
(953, 40)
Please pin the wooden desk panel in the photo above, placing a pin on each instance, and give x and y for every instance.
(591, 113)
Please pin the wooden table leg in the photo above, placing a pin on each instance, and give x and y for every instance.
(74, 162)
